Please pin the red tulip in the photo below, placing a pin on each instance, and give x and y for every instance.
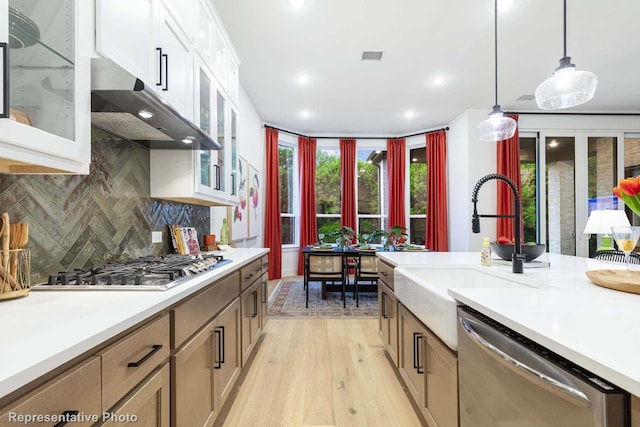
(630, 186)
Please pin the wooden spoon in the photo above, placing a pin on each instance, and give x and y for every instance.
(4, 248)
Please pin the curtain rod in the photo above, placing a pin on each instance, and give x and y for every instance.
(570, 113)
(355, 137)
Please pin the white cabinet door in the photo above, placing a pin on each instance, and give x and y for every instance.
(175, 66)
(182, 13)
(125, 33)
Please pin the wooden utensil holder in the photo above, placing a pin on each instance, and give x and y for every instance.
(15, 273)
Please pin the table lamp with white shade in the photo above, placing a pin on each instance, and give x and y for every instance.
(601, 221)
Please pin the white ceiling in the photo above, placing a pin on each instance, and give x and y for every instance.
(422, 39)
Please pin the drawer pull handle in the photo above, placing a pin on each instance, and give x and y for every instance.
(248, 276)
(218, 333)
(384, 305)
(66, 415)
(257, 269)
(156, 348)
(264, 292)
(255, 304)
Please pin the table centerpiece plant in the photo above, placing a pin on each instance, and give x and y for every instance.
(628, 190)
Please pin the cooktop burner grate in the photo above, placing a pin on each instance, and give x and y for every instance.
(145, 273)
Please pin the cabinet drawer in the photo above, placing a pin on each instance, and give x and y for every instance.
(386, 273)
(131, 359)
(250, 273)
(265, 264)
(75, 391)
(192, 314)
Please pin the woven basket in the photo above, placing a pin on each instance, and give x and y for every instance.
(15, 273)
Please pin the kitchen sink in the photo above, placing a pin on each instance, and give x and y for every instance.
(424, 291)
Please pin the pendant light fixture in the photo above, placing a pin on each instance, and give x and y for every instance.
(567, 87)
(497, 127)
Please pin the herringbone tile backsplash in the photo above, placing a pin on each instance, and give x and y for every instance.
(80, 221)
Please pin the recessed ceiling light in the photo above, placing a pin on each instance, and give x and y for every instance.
(297, 3)
(305, 114)
(409, 114)
(553, 143)
(438, 81)
(145, 114)
(303, 79)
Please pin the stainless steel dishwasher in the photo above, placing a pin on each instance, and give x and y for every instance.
(506, 380)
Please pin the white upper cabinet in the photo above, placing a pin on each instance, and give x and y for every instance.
(126, 33)
(175, 65)
(45, 123)
(147, 38)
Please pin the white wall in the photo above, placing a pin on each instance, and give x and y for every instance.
(468, 160)
(251, 142)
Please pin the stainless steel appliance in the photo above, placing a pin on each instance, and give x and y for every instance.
(509, 381)
(146, 273)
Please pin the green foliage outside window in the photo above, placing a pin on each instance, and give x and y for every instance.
(418, 188)
(327, 183)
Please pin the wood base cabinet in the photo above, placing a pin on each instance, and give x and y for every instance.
(635, 411)
(439, 402)
(251, 314)
(429, 370)
(388, 320)
(205, 370)
(76, 391)
(149, 404)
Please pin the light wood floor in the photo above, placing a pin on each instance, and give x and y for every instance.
(321, 372)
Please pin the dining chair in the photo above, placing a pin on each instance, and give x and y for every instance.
(617, 256)
(366, 271)
(323, 268)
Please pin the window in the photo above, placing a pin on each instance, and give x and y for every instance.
(417, 195)
(328, 190)
(287, 191)
(371, 166)
(529, 196)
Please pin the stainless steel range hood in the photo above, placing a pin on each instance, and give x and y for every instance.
(117, 101)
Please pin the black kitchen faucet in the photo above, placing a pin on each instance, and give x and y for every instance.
(518, 257)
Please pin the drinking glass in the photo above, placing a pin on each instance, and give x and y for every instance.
(321, 237)
(626, 238)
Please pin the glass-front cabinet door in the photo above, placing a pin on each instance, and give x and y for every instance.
(235, 173)
(47, 69)
(220, 166)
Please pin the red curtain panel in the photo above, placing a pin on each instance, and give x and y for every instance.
(307, 180)
(396, 161)
(348, 182)
(437, 234)
(508, 164)
(272, 225)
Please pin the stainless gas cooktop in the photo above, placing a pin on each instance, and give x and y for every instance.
(146, 273)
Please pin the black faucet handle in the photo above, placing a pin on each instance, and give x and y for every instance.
(475, 224)
(518, 263)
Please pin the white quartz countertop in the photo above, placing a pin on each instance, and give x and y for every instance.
(48, 328)
(595, 327)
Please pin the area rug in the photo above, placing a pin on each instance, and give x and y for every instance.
(289, 302)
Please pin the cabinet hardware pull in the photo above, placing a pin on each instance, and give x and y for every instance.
(159, 82)
(255, 304)
(223, 346)
(258, 269)
(156, 348)
(384, 305)
(248, 276)
(416, 352)
(5, 113)
(66, 415)
(264, 292)
(166, 72)
(218, 183)
(218, 363)
(384, 273)
(233, 184)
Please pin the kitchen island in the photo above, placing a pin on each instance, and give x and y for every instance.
(49, 329)
(594, 327)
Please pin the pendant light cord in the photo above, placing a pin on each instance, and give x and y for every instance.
(495, 45)
(565, 29)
